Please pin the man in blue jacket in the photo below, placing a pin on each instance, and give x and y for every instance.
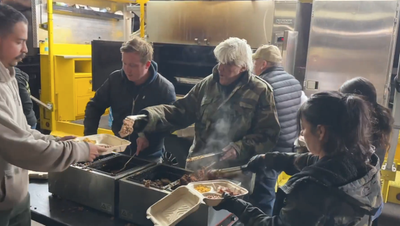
(129, 90)
(287, 93)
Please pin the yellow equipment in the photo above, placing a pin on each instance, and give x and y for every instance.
(66, 77)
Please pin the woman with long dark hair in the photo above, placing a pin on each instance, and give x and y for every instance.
(337, 183)
(382, 120)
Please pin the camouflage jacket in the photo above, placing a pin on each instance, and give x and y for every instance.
(244, 118)
(326, 192)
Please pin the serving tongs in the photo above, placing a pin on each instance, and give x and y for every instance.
(136, 117)
(231, 172)
(200, 157)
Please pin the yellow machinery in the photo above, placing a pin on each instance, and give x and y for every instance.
(66, 74)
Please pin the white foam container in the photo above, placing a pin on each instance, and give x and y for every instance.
(185, 200)
(174, 207)
(116, 144)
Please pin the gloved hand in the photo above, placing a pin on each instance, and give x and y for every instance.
(232, 204)
(256, 164)
(226, 202)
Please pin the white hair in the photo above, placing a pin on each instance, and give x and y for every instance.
(236, 51)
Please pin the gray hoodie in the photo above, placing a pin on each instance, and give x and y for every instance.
(22, 148)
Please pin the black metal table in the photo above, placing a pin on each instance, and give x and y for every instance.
(49, 210)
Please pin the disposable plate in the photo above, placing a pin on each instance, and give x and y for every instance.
(174, 207)
(109, 142)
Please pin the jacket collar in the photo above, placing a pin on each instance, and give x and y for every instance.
(271, 69)
(244, 79)
(6, 74)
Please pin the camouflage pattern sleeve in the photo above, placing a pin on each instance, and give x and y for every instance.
(264, 132)
(181, 114)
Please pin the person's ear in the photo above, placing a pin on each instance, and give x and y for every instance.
(148, 64)
(321, 133)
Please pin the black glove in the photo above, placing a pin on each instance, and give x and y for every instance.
(255, 165)
(226, 202)
(232, 204)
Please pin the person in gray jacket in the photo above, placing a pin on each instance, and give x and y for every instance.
(22, 148)
(287, 94)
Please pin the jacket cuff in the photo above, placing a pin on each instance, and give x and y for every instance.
(237, 146)
(141, 135)
(152, 120)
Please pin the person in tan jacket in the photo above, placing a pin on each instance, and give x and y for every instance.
(22, 148)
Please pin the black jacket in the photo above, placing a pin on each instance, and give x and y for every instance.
(328, 192)
(25, 95)
(125, 98)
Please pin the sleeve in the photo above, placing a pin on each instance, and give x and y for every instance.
(22, 148)
(96, 108)
(291, 163)
(303, 97)
(156, 137)
(181, 114)
(264, 132)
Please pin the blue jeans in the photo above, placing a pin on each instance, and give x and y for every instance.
(34, 126)
(263, 195)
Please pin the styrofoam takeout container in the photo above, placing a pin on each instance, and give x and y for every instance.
(109, 142)
(212, 202)
(174, 207)
(185, 200)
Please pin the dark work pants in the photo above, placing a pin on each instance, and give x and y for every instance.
(20, 215)
(263, 195)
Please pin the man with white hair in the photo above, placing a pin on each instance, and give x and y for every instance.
(233, 111)
(288, 94)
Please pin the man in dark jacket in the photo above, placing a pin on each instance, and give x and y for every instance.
(127, 91)
(287, 94)
(25, 95)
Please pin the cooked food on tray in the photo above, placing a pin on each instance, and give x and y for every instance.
(213, 196)
(202, 188)
(87, 140)
(127, 128)
(104, 145)
(157, 183)
(230, 191)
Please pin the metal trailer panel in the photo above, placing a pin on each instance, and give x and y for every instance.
(211, 22)
(78, 28)
(349, 39)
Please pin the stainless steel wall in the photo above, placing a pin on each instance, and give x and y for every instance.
(350, 39)
(210, 22)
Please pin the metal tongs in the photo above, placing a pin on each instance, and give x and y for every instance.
(231, 172)
(136, 117)
(199, 157)
(123, 168)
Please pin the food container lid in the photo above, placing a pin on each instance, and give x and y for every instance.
(174, 207)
